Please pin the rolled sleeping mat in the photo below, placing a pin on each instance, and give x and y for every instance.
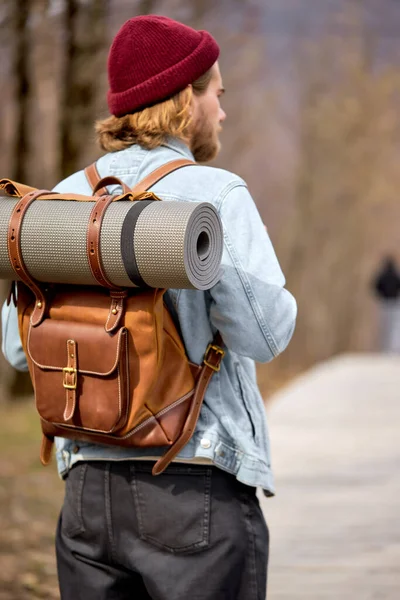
(165, 244)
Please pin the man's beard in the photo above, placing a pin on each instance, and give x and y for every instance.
(204, 143)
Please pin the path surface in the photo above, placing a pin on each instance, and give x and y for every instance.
(335, 521)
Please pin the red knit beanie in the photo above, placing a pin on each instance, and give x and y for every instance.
(152, 58)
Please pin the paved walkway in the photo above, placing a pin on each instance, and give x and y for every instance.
(335, 521)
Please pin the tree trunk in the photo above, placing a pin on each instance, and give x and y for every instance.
(22, 91)
(85, 37)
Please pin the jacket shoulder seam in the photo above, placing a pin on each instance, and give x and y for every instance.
(226, 190)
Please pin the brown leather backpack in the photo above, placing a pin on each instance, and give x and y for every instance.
(107, 365)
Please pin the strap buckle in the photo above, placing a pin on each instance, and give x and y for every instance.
(73, 372)
(218, 354)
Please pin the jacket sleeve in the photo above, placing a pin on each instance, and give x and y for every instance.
(11, 341)
(250, 307)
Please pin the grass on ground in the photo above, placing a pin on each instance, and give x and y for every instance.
(30, 500)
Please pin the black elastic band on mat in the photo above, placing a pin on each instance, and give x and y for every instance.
(127, 242)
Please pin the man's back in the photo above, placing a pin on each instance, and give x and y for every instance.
(249, 306)
(195, 531)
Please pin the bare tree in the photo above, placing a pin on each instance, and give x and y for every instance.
(85, 43)
(22, 92)
(344, 180)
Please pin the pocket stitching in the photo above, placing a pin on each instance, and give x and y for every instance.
(76, 505)
(206, 518)
(247, 506)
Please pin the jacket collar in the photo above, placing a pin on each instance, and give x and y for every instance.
(179, 147)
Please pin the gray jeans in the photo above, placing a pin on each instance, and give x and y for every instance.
(193, 532)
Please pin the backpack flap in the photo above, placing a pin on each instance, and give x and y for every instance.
(80, 374)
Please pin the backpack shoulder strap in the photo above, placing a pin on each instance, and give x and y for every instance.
(94, 178)
(160, 173)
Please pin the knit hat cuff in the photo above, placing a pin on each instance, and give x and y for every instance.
(168, 82)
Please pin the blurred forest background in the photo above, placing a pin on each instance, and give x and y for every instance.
(313, 126)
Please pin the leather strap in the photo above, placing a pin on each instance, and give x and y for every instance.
(17, 190)
(70, 376)
(80, 198)
(15, 255)
(109, 180)
(214, 353)
(93, 241)
(211, 364)
(160, 173)
(116, 309)
(12, 188)
(45, 449)
(99, 184)
(97, 215)
(94, 178)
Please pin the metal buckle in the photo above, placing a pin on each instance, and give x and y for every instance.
(216, 349)
(70, 371)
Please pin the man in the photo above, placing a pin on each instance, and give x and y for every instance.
(386, 285)
(196, 531)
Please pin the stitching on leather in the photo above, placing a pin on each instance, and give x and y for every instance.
(103, 211)
(171, 406)
(127, 378)
(119, 401)
(107, 328)
(84, 371)
(126, 389)
(68, 415)
(135, 430)
(87, 247)
(36, 289)
(114, 318)
(159, 414)
(109, 431)
(75, 428)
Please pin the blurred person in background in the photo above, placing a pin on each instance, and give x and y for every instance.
(196, 531)
(386, 285)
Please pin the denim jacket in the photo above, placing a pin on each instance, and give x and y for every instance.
(250, 307)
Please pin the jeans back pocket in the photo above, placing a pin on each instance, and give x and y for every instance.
(173, 509)
(72, 513)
